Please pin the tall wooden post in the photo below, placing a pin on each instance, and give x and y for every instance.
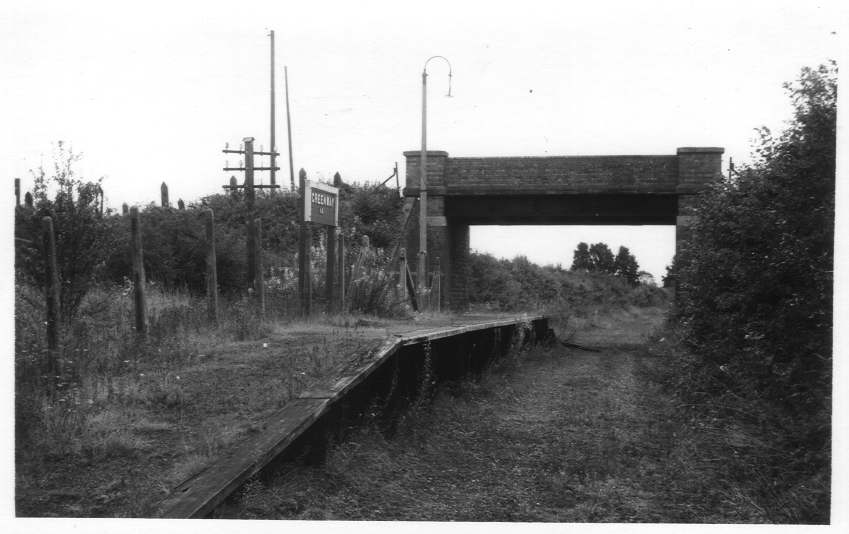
(53, 302)
(341, 269)
(273, 129)
(163, 192)
(402, 274)
(289, 128)
(259, 283)
(211, 268)
(139, 303)
(304, 250)
(331, 268)
(17, 192)
(249, 201)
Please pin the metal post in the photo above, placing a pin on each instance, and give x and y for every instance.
(289, 127)
(273, 132)
(422, 265)
(211, 268)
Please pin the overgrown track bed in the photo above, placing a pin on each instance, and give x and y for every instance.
(559, 435)
(387, 379)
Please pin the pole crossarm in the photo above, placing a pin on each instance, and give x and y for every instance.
(256, 152)
(255, 168)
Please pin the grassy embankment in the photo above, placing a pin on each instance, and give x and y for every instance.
(134, 417)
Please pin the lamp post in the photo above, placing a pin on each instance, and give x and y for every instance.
(423, 176)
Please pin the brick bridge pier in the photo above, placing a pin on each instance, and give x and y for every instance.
(562, 190)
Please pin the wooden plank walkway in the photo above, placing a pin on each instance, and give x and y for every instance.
(198, 496)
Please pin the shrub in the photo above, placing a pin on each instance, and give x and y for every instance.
(756, 277)
(82, 237)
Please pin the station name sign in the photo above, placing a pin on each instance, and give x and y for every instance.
(321, 203)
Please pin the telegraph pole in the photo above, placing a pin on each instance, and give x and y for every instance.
(273, 144)
(289, 128)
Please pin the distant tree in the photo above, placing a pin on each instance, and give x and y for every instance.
(670, 277)
(625, 265)
(646, 278)
(601, 258)
(581, 258)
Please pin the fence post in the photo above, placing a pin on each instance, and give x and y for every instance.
(138, 272)
(402, 274)
(304, 250)
(211, 267)
(53, 302)
(331, 269)
(17, 192)
(341, 268)
(259, 282)
(436, 285)
(163, 190)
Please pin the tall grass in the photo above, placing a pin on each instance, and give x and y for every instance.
(105, 363)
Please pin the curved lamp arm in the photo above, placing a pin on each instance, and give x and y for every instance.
(424, 70)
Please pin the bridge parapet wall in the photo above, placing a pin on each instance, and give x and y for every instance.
(549, 190)
(686, 172)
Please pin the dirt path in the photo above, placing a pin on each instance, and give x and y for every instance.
(566, 435)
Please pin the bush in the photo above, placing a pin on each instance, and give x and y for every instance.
(756, 277)
(82, 237)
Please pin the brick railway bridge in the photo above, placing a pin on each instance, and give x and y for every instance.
(562, 190)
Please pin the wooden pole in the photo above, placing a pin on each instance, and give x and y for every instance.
(259, 282)
(331, 269)
(138, 272)
(53, 302)
(163, 191)
(273, 129)
(211, 268)
(289, 127)
(402, 274)
(249, 202)
(341, 268)
(304, 250)
(17, 192)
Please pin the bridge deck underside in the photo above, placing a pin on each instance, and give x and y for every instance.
(602, 209)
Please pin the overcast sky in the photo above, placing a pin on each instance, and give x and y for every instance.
(150, 92)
